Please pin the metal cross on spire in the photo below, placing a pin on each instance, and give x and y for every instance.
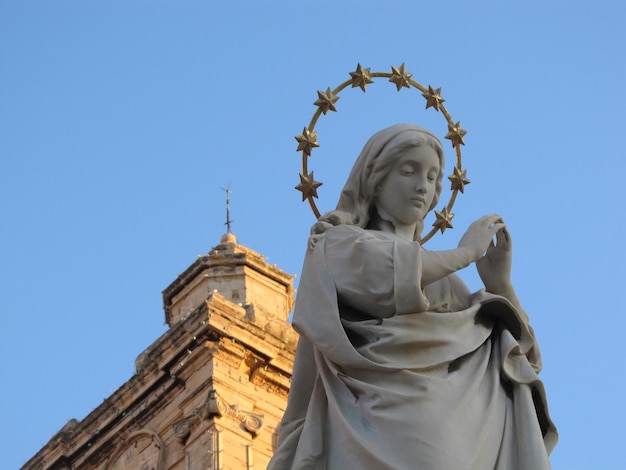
(228, 221)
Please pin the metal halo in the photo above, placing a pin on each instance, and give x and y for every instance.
(360, 78)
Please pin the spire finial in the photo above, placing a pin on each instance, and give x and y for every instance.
(228, 221)
(229, 237)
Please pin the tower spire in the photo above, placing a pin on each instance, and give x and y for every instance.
(229, 237)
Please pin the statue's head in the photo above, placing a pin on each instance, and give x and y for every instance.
(357, 203)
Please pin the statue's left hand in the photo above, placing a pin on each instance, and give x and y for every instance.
(494, 267)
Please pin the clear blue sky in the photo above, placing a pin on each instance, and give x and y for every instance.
(120, 122)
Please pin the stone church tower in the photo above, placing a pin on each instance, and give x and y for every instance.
(210, 392)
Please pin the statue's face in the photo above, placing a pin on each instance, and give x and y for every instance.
(407, 192)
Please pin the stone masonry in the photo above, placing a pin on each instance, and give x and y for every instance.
(210, 392)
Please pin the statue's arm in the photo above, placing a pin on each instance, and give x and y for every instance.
(375, 276)
(494, 269)
(474, 243)
(439, 264)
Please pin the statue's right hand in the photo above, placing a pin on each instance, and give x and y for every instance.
(479, 235)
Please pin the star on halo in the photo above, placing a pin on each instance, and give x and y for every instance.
(307, 141)
(433, 98)
(326, 100)
(308, 186)
(458, 179)
(361, 77)
(444, 219)
(400, 77)
(456, 134)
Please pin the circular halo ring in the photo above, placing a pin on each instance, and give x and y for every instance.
(307, 141)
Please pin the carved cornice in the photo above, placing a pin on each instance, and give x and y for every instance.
(229, 320)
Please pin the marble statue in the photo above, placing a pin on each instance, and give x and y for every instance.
(399, 365)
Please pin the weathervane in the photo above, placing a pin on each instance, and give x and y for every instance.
(360, 78)
(228, 221)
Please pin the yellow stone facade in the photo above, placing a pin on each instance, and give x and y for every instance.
(210, 392)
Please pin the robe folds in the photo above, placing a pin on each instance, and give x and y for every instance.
(390, 375)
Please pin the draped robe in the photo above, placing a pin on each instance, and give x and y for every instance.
(390, 375)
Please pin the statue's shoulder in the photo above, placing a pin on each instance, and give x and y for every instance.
(345, 229)
(334, 237)
(353, 232)
(350, 237)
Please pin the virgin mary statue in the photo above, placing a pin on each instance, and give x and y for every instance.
(399, 365)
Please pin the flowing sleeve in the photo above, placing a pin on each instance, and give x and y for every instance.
(375, 275)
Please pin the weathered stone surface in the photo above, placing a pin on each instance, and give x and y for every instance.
(240, 275)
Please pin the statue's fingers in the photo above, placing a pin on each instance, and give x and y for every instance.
(504, 239)
(498, 227)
